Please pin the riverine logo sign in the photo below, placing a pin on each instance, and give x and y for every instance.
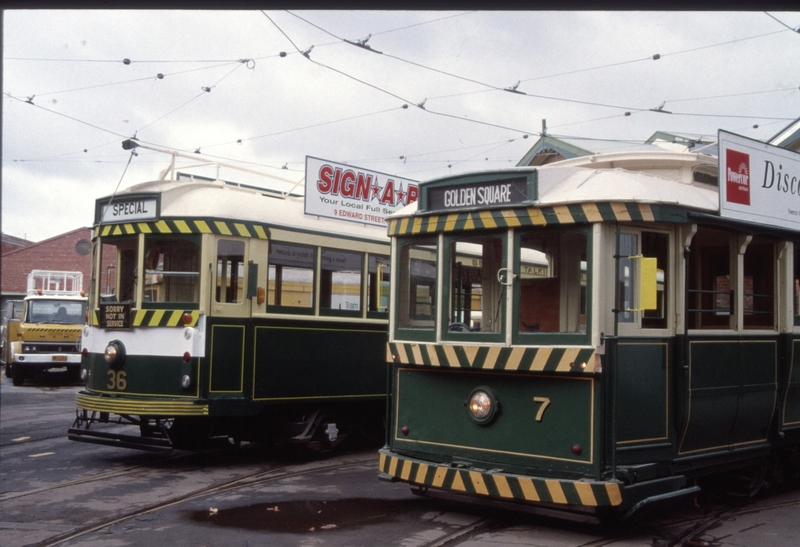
(758, 182)
(351, 193)
(737, 177)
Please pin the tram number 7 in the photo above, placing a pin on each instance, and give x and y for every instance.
(545, 402)
(117, 380)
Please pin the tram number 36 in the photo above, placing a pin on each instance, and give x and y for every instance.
(545, 402)
(117, 380)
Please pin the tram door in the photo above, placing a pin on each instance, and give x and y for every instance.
(236, 274)
(644, 349)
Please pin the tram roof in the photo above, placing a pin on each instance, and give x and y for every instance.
(219, 200)
(666, 178)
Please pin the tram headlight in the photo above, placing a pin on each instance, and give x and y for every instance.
(114, 353)
(482, 405)
(186, 381)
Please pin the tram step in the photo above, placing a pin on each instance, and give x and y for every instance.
(115, 439)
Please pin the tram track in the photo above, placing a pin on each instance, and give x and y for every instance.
(280, 472)
(6, 496)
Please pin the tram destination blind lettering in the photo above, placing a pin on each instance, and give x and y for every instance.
(115, 315)
(478, 195)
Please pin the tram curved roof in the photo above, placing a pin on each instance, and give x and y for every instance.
(184, 199)
(637, 177)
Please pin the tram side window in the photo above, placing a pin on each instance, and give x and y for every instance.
(118, 277)
(418, 285)
(710, 286)
(172, 270)
(475, 292)
(758, 297)
(230, 271)
(378, 283)
(291, 275)
(340, 283)
(552, 282)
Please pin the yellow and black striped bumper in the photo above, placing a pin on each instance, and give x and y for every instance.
(502, 486)
(140, 407)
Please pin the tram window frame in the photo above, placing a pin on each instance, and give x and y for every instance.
(525, 334)
(379, 275)
(418, 327)
(151, 269)
(231, 265)
(711, 283)
(649, 244)
(123, 276)
(328, 281)
(739, 296)
(283, 255)
(759, 267)
(486, 273)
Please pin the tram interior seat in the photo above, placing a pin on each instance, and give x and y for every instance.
(540, 304)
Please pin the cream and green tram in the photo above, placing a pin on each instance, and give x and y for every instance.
(219, 311)
(612, 338)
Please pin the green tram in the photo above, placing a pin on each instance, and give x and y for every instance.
(221, 312)
(612, 340)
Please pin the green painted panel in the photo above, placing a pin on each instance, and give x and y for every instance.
(732, 393)
(642, 383)
(758, 395)
(713, 395)
(540, 419)
(302, 362)
(227, 358)
(141, 376)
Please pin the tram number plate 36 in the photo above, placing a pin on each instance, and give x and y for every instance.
(117, 380)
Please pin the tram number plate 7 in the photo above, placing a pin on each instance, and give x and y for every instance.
(117, 380)
(545, 402)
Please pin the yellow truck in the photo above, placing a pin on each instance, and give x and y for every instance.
(47, 334)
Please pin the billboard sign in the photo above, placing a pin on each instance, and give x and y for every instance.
(758, 182)
(345, 192)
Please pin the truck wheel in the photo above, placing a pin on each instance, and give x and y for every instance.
(9, 368)
(18, 376)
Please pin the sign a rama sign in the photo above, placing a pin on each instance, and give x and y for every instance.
(758, 182)
(350, 193)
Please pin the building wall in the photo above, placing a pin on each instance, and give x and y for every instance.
(67, 252)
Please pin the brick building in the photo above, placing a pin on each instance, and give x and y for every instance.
(70, 252)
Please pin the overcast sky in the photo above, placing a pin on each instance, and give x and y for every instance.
(424, 97)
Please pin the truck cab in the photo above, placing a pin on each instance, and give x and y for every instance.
(47, 334)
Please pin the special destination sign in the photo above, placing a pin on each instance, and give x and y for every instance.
(126, 209)
(352, 193)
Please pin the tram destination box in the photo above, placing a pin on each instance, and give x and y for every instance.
(115, 315)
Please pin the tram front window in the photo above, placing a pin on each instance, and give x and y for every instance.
(418, 285)
(119, 274)
(476, 293)
(172, 270)
(552, 282)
